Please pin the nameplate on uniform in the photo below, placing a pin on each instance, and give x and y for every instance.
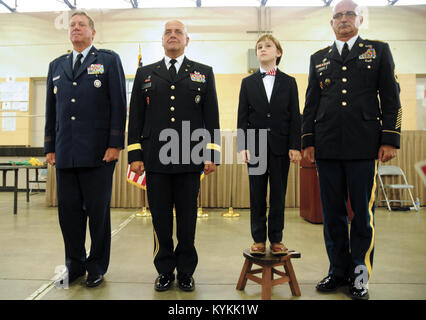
(95, 69)
(369, 54)
(56, 78)
(322, 66)
(198, 77)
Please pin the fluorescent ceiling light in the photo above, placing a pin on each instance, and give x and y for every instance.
(36, 6)
(409, 2)
(167, 3)
(103, 4)
(371, 3)
(230, 3)
(292, 3)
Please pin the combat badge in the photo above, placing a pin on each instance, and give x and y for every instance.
(97, 83)
(197, 98)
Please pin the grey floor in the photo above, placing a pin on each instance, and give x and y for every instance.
(31, 248)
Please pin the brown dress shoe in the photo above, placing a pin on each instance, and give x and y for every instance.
(258, 249)
(278, 249)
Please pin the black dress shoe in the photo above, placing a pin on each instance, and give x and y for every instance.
(358, 292)
(93, 280)
(186, 282)
(331, 283)
(74, 276)
(164, 281)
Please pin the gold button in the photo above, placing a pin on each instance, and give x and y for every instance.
(172, 108)
(320, 73)
(173, 87)
(369, 67)
(345, 80)
(74, 84)
(73, 118)
(172, 97)
(344, 68)
(73, 100)
(344, 91)
(344, 103)
(199, 89)
(172, 119)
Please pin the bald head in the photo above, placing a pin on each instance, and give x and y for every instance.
(175, 38)
(346, 4)
(346, 20)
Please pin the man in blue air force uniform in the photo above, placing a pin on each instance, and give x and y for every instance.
(84, 132)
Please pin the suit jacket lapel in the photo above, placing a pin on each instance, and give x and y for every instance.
(260, 85)
(185, 69)
(334, 54)
(356, 50)
(160, 69)
(90, 58)
(67, 66)
(277, 83)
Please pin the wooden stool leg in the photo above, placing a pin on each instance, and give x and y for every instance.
(266, 282)
(294, 286)
(242, 281)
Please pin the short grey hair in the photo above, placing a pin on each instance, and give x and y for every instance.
(358, 9)
(82, 13)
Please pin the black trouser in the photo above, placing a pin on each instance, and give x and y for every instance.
(277, 173)
(347, 251)
(85, 193)
(164, 191)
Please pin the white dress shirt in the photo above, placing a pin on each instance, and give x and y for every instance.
(268, 83)
(177, 64)
(85, 52)
(351, 42)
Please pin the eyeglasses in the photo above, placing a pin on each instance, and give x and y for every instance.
(349, 14)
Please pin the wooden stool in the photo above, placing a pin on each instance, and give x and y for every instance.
(267, 264)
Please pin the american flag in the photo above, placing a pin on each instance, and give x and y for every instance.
(140, 181)
(140, 57)
(135, 179)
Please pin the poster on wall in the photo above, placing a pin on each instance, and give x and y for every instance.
(8, 121)
(14, 91)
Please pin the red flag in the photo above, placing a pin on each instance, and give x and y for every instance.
(421, 170)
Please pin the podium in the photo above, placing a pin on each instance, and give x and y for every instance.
(310, 202)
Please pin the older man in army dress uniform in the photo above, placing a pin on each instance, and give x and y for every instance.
(84, 132)
(346, 129)
(173, 95)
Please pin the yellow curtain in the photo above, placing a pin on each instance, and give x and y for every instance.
(228, 186)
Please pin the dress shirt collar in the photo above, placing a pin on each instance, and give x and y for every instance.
(85, 52)
(177, 64)
(351, 42)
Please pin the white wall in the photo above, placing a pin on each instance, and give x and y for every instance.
(28, 42)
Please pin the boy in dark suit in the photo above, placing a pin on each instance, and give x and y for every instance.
(268, 104)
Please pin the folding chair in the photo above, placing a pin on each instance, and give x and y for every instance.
(394, 171)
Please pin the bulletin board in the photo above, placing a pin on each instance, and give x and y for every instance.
(14, 111)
